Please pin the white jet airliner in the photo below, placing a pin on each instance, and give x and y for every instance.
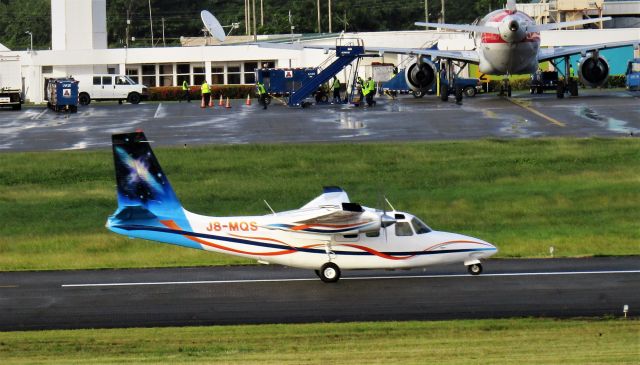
(328, 234)
(507, 43)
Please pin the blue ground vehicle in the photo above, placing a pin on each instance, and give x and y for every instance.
(633, 75)
(62, 94)
(398, 85)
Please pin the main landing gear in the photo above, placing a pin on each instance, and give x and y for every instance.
(329, 272)
(505, 88)
(475, 269)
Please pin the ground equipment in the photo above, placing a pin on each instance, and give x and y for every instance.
(62, 94)
(633, 75)
(10, 82)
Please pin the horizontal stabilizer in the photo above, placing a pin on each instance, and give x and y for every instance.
(464, 27)
(551, 26)
(136, 212)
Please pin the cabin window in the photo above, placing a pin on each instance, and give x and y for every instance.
(373, 234)
(419, 226)
(403, 229)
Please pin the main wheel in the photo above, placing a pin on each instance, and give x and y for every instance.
(418, 93)
(444, 92)
(134, 98)
(470, 91)
(474, 269)
(329, 272)
(84, 99)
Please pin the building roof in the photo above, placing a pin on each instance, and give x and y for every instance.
(3, 48)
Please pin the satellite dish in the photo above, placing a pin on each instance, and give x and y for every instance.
(213, 25)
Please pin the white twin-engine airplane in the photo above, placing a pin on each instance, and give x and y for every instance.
(327, 235)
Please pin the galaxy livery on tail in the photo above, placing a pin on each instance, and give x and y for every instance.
(146, 200)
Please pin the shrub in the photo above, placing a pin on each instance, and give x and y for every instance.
(166, 93)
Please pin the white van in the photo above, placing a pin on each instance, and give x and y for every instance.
(110, 87)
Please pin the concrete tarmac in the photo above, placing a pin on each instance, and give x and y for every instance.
(603, 113)
(274, 294)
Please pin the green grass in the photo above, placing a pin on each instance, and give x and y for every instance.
(579, 195)
(506, 341)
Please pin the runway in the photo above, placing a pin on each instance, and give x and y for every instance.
(274, 294)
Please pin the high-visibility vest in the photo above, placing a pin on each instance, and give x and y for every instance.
(336, 84)
(372, 85)
(261, 89)
(185, 87)
(205, 88)
(365, 88)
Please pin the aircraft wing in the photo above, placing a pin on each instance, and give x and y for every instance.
(546, 54)
(551, 26)
(328, 214)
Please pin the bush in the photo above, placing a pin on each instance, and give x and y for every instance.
(167, 93)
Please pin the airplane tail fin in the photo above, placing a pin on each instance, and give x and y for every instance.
(143, 188)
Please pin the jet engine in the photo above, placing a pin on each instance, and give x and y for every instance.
(593, 70)
(421, 75)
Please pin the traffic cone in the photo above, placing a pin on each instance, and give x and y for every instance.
(221, 102)
(202, 102)
(211, 102)
(248, 102)
(228, 106)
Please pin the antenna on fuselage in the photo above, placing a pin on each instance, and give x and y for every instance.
(391, 206)
(269, 206)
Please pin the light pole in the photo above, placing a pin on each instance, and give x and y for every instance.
(151, 24)
(31, 37)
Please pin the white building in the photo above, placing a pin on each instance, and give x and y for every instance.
(80, 47)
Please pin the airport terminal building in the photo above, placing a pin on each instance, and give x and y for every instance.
(80, 47)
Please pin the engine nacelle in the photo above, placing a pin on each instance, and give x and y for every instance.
(420, 76)
(593, 70)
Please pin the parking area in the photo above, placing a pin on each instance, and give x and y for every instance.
(595, 113)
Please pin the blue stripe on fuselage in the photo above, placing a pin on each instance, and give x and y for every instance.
(284, 247)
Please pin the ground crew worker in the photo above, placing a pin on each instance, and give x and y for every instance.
(370, 87)
(262, 93)
(185, 91)
(571, 71)
(360, 83)
(336, 90)
(206, 93)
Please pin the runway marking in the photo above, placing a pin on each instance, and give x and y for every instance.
(8, 286)
(155, 116)
(37, 116)
(354, 278)
(521, 104)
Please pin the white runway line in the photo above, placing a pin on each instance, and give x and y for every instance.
(37, 116)
(355, 278)
(157, 114)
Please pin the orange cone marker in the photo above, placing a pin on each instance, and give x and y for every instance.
(248, 102)
(221, 102)
(202, 102)
(211, 102)
(228, 106)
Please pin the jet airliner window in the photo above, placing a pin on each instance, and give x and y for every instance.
(403, 229)
(419, 226)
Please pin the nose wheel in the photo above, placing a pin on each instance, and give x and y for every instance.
(474, 269)
(329, 272)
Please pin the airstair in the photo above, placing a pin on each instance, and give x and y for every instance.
(347, 50)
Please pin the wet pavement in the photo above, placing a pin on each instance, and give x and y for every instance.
(603, 113)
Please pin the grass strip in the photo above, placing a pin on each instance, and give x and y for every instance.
(579, 195)
(503, 341)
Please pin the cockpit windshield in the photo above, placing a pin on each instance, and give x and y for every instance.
(419, 226)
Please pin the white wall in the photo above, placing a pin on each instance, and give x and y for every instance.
(78, 24)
